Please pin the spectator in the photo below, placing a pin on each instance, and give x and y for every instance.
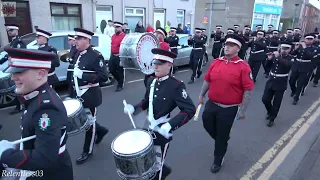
(109, 30)
(139, 28)
(168, 27)
(187, 28)
(125, 28)
(150, 29)
(179, 29)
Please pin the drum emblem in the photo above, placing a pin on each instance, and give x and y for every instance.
(44, 122)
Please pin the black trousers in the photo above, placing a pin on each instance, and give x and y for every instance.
(317, 75)
(297, 81)
(216, 50)
(196, 63)
(94, 130)
(255, 67)
(116, 70)
(272, 101)
(218, 121)
(161, 144)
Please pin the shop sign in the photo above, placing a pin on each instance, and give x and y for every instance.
(266, 9)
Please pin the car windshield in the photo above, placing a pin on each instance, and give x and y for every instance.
(26, 39)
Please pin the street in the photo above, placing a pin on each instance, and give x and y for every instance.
(191, 152)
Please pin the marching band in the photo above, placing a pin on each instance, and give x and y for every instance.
(48, 121)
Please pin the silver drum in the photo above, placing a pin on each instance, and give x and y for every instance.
(135, 51)
(134, 155)
(78, 119)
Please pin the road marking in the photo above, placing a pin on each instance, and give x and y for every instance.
(183, 71)
(287, 149)
(274, 149)
(137, 80)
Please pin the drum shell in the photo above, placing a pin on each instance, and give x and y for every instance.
(139, 165)
(130, 48)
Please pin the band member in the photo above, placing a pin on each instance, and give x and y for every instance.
(305, 54)
(217, 43)
(289, 36)
(45, 116)
(237, 29)
(163, 86)
(246, 37)
(258, 28)
(173, 40)
(229, 31)
(272, 45)
(160, 33)
(42, 40)
(70, 59)
(196, 42)
(16, 42)
(297, 34)
(257, 53)
(230, 84)
(115, 66)
(205, 54)
(87, 88)
(280, 65)
(317, 63)
(270, 28)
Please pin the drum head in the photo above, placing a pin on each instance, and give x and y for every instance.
(131, 142)
(71, 105)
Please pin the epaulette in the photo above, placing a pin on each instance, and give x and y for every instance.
(45, 97)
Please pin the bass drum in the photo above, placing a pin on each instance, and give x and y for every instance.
(135, 51)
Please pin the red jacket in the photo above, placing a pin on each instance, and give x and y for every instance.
(116, 42)
(164, 45)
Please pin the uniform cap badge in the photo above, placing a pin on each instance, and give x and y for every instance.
(184, 94)
(44, 122)
(101, 63)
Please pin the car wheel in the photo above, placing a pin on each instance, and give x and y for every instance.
(7, 100)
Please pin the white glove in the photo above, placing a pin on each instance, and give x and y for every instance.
(164, 130)
(128, 109)
(4, 145)
(77, 72)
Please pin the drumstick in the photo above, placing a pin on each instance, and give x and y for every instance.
(82, 70)
(23, 139)
(197, 112)
(125, 106)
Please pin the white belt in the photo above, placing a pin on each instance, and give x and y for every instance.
(196, 48)
(273, 47)
(279, 75)
(216, 41)
(175, 47)
(226, 106)
(154, 123)
(62, 149)
(255, 52)
(303, 60)
(89, 86)
(50, 74)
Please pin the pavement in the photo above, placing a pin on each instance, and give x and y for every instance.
(253, 147)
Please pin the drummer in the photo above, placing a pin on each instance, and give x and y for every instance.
(45, 116)
(88, 59)
(115, 66)
(73, 52)
(161, 34)
(168, 94)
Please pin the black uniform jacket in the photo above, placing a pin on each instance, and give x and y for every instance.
(169, 93)
(303, 55)
(52, 79)
(280, 68)
(173, 42)
(196, 42)
(258, 50)
(46, 117)
(91, 60)
(15, 43)
(272, 44)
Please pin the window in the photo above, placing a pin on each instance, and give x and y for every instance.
(59, 42)
(183, 41)
(274, 21)
(180, 17)
(159, 18)
(95, 41)
(133, 16)
(65, 16)
(103, 14)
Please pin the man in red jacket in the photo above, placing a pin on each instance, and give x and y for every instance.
(114, 63)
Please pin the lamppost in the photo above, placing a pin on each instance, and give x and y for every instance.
(295, 15)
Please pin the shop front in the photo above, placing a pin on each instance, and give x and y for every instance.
(266, 14)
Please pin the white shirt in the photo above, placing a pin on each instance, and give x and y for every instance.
(109, 30)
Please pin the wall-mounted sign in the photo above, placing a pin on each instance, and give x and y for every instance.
(266, 9)
(205, 20)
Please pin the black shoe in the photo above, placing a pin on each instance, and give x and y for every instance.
(198, 76)
(295, 102)
(83, 158)
(216, 166)
(119, 88)
(292, 94)
(166, 171)
(268, 116)
(270, 123)
(191, 82)
(302, 93)
(16, 111)
(101, 135)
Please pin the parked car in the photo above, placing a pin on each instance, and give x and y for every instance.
(59, 40)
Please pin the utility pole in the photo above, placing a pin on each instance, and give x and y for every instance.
(210, 19)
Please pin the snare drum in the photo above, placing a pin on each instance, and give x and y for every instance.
(77, 117)
(134, 155)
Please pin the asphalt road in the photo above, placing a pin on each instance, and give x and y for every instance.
(191, 152)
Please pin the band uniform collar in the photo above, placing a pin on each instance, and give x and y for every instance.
(235, 59)
(35, 93)
(163, 78)
(15, 37)
(85, 51)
